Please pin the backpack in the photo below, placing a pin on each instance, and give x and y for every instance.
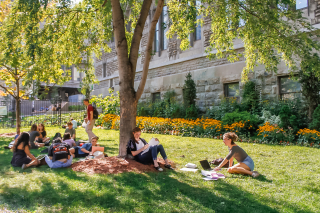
(95, 113)
(57, 135)
(60, 148)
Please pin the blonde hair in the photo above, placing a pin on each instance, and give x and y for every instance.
(231, 135)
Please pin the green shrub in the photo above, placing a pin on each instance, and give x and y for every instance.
(252, 122)
(250, 97)
(226, 106)
(192, 112)
(315, 124)
(189, 91)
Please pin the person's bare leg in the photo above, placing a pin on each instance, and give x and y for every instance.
(32, 163)
(155, 162)
(72, 151)
(240, 168)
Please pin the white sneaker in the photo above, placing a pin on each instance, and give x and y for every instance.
(159, 168)
(255, 174)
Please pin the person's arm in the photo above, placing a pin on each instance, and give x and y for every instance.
(74, 144)
(85, 151)
(221, 164)
(134, 153)
(27, 151)
(74, 134)
(91, 116)
(231, 162)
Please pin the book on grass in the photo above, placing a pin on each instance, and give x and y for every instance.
(152, 142)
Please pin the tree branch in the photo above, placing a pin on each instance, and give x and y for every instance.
(148, 50)
(104, 3)
(136, 39)
(8, 91)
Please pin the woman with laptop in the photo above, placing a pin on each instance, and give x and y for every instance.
(144, 153)
(245, 164)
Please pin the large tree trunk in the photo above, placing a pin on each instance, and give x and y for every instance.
(128, 112)
(127, 66)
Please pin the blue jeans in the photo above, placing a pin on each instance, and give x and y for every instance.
(151, 155)
(58, 164)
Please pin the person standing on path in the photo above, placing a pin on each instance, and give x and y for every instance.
(89, 119)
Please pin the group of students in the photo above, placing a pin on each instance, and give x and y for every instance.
(62, 151)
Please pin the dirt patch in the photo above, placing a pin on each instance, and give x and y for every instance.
(8, 135)
(113, 165)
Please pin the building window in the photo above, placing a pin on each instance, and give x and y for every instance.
(156, 97)
(197, 34)
(164, 27)
(232, 90)
(111, 83)
(104, 70)
(156, 38)
(289, 88)
(300, 4)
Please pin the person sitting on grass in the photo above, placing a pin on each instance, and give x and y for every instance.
(245, 164)
(137, 145)
(71, 130)
(85, 150)
(67, 139)
(34, 135)
(21, 153)
(74, 123)
(58, 155)
(42, 131)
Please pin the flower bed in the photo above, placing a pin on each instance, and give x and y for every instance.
(204, 127)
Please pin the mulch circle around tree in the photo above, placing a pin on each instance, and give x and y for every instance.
(114, 165)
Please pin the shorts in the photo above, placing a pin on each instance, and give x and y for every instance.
(249, 162)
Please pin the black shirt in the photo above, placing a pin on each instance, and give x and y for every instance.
(132, 146)
(44, 133)
(58, 151)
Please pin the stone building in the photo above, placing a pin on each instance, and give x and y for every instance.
(214, 79)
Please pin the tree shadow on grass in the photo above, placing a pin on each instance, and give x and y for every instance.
(126, 192)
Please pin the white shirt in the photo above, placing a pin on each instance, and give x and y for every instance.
(74, 123)
(139, 145)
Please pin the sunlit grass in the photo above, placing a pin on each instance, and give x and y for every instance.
(289, 181)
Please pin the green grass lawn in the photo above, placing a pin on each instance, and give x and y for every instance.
(289, 182)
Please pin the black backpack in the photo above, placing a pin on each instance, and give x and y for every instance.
(95, 113)
(60, 148)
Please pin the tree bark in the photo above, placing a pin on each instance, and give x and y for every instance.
(127, 66)
(17, 98)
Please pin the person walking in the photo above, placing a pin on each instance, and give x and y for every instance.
(89, 119)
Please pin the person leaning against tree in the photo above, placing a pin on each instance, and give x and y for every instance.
(245, 164)
(89, 119)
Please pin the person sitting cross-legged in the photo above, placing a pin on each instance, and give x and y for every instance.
(245, 164)
(137, 145)
(58, 155)
(71, 130)
(21, 152)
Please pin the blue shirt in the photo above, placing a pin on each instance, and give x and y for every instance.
(86, 146)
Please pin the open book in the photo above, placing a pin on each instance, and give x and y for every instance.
(152, 142)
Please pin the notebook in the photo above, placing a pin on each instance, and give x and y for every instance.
(97, 148)
(152, 142)
(205, 165)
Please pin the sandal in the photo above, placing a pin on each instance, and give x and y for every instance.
(168, 166)
(24, 166)
(158, 168)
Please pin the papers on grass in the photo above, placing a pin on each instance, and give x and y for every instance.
(191, 165)
(152, 142)
(211, 175)
(189, 170)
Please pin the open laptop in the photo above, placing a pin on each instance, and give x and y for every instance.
(97, 148)
(205, 165)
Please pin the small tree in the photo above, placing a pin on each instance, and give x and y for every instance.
(250, 97)
(310, 82)
(189, 91)
(315, 124)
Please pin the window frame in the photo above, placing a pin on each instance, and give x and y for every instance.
(303, 7)
(104, 70)
(154, 100)
(280, 87)
(226, 92)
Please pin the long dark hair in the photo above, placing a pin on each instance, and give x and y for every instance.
(136, 129)
(23, 138)
(34, 127)
(43, 129)
(66, 136)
